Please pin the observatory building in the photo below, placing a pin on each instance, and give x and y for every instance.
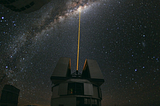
(25, 6)
(9, 96)
(76, 89)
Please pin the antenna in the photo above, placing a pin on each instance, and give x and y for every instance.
(79, 9)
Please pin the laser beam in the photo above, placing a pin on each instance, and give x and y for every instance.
(79, 9)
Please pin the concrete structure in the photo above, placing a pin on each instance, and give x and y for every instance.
(25, 6)
(76, 89)
(9, 96)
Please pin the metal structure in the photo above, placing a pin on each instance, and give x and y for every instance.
(9, 96)
(25, 6)
(76, 89)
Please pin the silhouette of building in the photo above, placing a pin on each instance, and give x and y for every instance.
(76, 89)
(25, 6)
(9, 96)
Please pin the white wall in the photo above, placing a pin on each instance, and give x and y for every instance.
(88, 89)
(95, 91)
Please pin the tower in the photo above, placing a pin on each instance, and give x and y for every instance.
(76, 89)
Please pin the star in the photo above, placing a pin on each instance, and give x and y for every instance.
(122, 36)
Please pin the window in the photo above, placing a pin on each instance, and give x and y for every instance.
(75, 88)
(79, 101)
(87, 101)
(94, 102)
(71, 88)
(79, 89)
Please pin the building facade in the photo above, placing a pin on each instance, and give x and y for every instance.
(9, 96)
(76, 89)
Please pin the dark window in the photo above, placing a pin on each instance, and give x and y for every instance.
(94, 102)
(32, 3)
(79, 101)
(79, 88)
(61, 105)
(87, 101)
(71, 88)
(75, 88)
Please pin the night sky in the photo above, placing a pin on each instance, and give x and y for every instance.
(123, 36)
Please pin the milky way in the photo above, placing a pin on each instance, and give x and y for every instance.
(48, 21)
(27, 37)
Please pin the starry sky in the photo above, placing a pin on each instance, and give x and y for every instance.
(123, 36)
